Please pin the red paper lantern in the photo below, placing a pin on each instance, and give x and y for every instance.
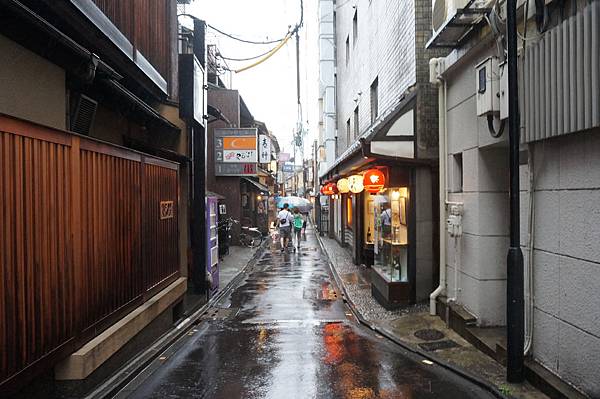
(330, 189)
(374, 180)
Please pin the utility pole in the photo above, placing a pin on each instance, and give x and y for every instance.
(514, 274)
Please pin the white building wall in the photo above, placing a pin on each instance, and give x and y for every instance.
(476, 262)
(566, 259)
(327, 81)
(566, 256)
(385, 48)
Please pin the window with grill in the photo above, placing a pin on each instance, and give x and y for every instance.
(356, 130)
(355, 27)
(374, 100)
(347, 49)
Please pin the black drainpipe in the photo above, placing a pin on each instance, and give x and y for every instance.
(514, 273)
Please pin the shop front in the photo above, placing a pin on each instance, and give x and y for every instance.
(376, 225)
(383, 208)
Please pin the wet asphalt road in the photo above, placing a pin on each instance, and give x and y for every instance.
(285, 333)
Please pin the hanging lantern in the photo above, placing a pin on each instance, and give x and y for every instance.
(343, 186)
(355, 183)
(330, 189)
(374, 181)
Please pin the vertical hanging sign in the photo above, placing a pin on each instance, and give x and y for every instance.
(264, 149)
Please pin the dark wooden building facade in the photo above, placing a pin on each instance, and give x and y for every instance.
(94, 172)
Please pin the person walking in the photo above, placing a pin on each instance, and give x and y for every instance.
(298, 226)
(284, 221)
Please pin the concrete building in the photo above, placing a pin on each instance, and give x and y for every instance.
(378, 111)
(559, 89)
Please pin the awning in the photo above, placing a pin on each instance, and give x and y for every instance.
(457, 29)
(357, 148)
(261, 187)
(212, 194)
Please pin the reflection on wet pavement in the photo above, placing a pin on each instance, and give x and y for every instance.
(291, 336)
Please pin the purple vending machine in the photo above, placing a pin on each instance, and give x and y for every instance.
(212, 246)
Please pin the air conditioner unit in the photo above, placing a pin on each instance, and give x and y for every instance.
(443, 10)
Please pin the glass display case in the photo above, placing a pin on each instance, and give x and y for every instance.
(386, 228)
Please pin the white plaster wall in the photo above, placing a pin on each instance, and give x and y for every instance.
(566, 257)
(327, 80)
(480, 256)
(32, 87)
(385, 49)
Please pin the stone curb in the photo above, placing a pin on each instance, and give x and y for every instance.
(389, 335)
(125, 375)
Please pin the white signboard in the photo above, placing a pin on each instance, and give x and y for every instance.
(264, 149)
(239, 156)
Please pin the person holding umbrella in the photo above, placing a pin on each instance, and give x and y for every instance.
(284, 221)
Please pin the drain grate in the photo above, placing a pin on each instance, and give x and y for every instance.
(429, 334)
(220, 313)
(437, 345)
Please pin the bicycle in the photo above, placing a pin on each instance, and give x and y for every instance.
(250, 237)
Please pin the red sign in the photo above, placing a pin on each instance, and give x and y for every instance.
(374, 180)
(329, 189)
(249, 168)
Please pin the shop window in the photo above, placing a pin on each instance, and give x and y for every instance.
(388, 228)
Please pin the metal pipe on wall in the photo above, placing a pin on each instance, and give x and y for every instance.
(436, 67)
(514, 273)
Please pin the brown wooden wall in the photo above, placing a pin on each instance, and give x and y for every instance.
(81, 240)
(146, 23)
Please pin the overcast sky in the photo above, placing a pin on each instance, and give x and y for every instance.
(269, 89)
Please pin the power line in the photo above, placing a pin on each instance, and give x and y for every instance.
(229, 35)
(245, 59)
(244, 40)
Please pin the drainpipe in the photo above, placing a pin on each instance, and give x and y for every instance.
(436, 66)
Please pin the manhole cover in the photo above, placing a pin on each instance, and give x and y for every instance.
(434, 346)
(429, 334)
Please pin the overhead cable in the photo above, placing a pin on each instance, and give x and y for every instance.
(244, 40)
(229, 35)
(245, 59)
(269, 55)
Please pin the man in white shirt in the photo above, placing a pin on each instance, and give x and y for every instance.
(284, 221)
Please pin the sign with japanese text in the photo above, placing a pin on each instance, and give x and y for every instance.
(166, 210)
(236, 152)
(264, 149)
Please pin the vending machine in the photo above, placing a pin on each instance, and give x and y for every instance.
(212, 236)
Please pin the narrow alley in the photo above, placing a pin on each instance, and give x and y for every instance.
(284, 332)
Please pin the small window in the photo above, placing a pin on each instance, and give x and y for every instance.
(348, 132)
(355, 28)
(347, 49)
(457, 174)
(374, 100)
(356, 130)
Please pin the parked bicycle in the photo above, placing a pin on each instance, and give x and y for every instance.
(250, 237)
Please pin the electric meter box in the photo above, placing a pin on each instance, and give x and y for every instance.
(487, 79)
